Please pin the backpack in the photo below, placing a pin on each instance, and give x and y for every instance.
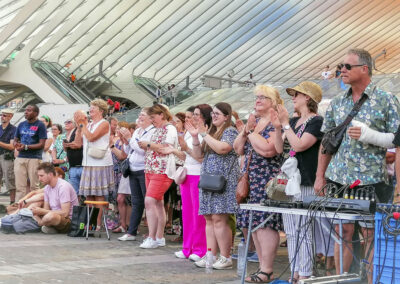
(19, 224)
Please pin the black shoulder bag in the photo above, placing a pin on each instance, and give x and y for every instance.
(333, 138)
(214, 183)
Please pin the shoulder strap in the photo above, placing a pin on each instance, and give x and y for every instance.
(249, 160)
(355, 109)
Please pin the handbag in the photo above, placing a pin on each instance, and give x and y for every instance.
(79, 220)
(276, 186)
(96, 153)
(214, 183)
(333, 138)
(180, 175)
(125, 168)
(243, 187)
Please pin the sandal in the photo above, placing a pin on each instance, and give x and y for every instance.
(255, 278)
(119, 229)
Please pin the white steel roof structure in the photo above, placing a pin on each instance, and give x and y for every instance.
(168, 40)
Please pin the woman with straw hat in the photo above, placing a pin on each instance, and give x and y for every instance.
(304, 135)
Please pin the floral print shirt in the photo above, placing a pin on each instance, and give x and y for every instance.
(354, 159)
(156, 163)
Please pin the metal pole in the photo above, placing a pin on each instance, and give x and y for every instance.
(247, 246)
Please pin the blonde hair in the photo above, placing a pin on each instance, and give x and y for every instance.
(123, 124)
(269, 92)
(101, 104)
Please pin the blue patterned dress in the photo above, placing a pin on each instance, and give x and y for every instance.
(221, 203)
(261, 170)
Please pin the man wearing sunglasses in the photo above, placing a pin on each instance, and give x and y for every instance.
(7, 132)
(355, 159)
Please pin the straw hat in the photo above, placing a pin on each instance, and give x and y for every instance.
(7, 110)
(308, 88)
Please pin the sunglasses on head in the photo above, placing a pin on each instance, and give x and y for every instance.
(349, 66)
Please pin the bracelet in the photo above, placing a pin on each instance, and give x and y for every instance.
(25, 201)
(196, 144)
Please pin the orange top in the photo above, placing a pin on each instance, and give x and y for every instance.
(73, 77)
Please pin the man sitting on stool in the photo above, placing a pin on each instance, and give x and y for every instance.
(59, 199)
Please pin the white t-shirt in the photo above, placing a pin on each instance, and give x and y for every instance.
(326, 74)
(192, 165)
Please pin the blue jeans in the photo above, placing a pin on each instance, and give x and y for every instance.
(75, 174)
(138, 192)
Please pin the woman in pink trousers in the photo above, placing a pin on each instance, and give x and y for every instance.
(194, 225)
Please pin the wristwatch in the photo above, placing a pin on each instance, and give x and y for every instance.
(26, 147)
(81, 125)
(286, 127)
(24, 201)
(203, 134)
(148, 146)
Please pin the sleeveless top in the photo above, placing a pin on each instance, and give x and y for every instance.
(101, 143)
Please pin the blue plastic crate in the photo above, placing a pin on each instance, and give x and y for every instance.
(385, 253)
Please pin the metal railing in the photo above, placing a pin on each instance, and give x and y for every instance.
(59, 77)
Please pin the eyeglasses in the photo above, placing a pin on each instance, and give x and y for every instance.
(261, 98)
(297, 93)
(215, 113)
(349, 66)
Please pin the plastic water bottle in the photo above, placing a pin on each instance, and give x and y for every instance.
(241, 262)
(209, 261)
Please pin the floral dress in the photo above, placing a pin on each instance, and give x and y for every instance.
(61, 154)
(261, 170)
(221, 203)
(112, 194)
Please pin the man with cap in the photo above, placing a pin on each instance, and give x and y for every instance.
(7, 132)
(29, 141)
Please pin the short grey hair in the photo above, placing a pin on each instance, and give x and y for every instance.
(364, 58)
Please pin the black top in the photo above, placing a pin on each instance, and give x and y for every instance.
(75, 156)
(6, 135)
(396, 140)
(308, 159)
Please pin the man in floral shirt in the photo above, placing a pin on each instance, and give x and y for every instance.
(354, 159)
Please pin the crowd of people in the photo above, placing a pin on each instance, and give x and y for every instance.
(168, 154)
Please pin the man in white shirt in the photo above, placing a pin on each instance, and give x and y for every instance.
(326, 74)
(136, 166)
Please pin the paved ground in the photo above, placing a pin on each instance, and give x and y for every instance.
(40, 258)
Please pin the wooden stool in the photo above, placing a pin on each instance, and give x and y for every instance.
(104, 205)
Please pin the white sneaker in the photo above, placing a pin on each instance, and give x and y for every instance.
(223, 263)
(202, 262)
(180, 254)
(149, 243)
(194, 257)
(127, 237)
(160, 242)
(49, 230)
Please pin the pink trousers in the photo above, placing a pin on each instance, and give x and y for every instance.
(194, 225)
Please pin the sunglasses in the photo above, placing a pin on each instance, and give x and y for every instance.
(349, 66)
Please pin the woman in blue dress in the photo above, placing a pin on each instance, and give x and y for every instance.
(256, 140)
(219, 159)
